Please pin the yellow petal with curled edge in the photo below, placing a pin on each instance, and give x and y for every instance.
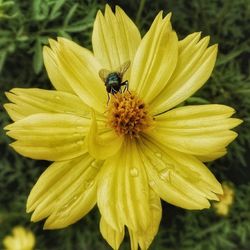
(49, 136)
(115, 38)
(105, 145)
(65, 192)
(194, 67)
(155, 59)
(31, 101)
(114, 238)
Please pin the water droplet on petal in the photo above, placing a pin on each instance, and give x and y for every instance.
(80, 127)
(67, 112)
(96, 165)
(164, 174)
(58, 97)
(158, 154)
(134, 172)
(151, 183)
(89, 184)
(75, 198)
(79, 143)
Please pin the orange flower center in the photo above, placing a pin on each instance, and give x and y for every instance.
(128, 115)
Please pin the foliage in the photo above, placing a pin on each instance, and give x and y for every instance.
(25, 27)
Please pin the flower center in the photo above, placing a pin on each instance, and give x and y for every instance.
(127, 114)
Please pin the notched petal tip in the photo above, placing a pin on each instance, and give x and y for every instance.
(168, 17)
(7, 93)
(108, 9)
(46, 49)
(213, 51)
(46, 226)
(98, 15)
(52, 42)
(119, 9)
(113, 237)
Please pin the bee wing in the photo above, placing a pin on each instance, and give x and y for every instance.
(122, 69)
(103, 73)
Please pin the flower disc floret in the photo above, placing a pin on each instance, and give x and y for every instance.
(128, 114)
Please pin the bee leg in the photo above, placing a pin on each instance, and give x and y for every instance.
(113, 92)
(108, 99)
(126, 86)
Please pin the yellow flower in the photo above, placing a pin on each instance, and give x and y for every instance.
(122, 151)
(225, 201)
(21, 240)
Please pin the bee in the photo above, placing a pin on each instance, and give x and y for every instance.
(113, 80)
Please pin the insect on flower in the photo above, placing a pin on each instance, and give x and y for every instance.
(113, 80)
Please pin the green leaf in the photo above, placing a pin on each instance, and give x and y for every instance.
(3, 55)
(70, 14)
(37, 58)
(55, 10)
(78, 27)
(40, 10)
(229, 57)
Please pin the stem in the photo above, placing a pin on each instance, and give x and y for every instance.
(138, 16)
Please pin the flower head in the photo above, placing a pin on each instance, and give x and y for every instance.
(222, 207)
(113, 132)
(21, 239)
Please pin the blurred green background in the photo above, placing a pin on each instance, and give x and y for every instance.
(25, 26)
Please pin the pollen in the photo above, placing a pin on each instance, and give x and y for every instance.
(128, 115)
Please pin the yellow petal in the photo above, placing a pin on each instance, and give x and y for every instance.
(21, 239)
(65, 192)
(179, 179)
(8, 242)
(156, 214)
(212, 156)
(79, 67)
(194, 66)
(145, 238)
(114, 238)
(49, 136)
(115, 38)
(104, 146)
(107, 195)
(155, 59)
(122, 194)
(54, 72)
(197, 111)
(202, 144)
(134, 241)
(32, 101)
(198, 130)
